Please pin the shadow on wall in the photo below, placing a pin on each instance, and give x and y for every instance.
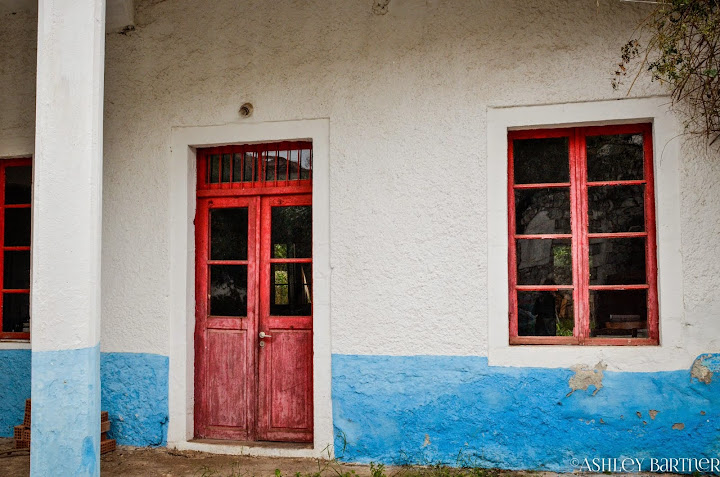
(461, 411)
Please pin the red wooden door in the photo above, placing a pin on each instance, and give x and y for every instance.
(285, 364)
(253, 333)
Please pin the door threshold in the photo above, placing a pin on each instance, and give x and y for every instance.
(254, 448)
(257, 444)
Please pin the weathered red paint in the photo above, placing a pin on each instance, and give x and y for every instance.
(580, 236)
(244, 391)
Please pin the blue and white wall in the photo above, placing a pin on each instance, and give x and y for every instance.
(417, 372)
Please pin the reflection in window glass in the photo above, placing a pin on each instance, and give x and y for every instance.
(545, 313)
(18, 184)
(619, 157)
(291, 289)
(616, 209)
(618, 261)
(16, 313)
(541, 161)
(228, 290)
(292, 232)
(542, 211)
(229, 233)
(618, 313)
(544, 262)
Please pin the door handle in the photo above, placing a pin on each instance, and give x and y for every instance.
(263, 335)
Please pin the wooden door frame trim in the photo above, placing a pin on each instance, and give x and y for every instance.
(182, 203)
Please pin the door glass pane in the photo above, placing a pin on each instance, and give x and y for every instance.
(228, 290)
(616, 209)
(16, 270)
(615, 158)
(17, 227)
(544, 262)
(229, 234)
(545, 313)
(542, 211)
(292, 232)
(16, 313)
(291, 289)
(305, 164)
(617, 261)
(541, 161)
(214, 168)
(618, 313)
(250, 167)
(17, 185)
(226, 167)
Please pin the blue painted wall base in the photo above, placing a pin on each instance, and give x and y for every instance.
(460, 411)
(134, 392)
(65, 412)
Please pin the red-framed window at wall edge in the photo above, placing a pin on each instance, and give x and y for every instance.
(582, 247)
(15, 219)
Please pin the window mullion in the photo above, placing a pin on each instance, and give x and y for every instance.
(582, 236)
(578, 194)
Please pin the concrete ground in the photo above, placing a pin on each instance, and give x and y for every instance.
(163, 462)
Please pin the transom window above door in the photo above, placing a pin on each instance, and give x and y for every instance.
(582, 251)
(252, 166)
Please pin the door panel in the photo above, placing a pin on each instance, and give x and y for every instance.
(225, 318)
(285, 408)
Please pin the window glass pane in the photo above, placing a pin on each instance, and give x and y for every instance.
(616, 209)
(618, 313)
(226, 166)
(305, 164)
(540, 161)
(617, 261)
(228, 234)
(228, 290)
(292, 232)
(542, 211)
(544, 262)
(214, 168)
(251, 165)
(291, 289)
(545, 313)
(17, 227)
(16, 270)
(16, 313)
(17, 185)
(294, 164)
(615, 158)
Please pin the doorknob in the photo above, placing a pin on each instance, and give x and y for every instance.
(263, 335)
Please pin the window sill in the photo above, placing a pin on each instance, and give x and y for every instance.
(14, 344)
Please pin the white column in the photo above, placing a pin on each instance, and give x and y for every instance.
(67, 220)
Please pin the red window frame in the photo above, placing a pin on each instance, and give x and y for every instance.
(4, 164)
(580, 236)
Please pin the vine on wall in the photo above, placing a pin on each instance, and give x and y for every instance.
(682, 50)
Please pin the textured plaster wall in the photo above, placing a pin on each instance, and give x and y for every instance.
(406, 94)
(460, 411)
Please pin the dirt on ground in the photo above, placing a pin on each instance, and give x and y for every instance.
(164, 462)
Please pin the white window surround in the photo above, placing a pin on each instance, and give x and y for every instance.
(670, 354)
(185, 141)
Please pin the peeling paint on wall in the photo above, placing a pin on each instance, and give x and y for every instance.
(704, 367)
(585, 377)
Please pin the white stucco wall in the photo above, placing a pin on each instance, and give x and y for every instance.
(406, 94)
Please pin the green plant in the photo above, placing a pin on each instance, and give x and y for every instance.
(682, 50)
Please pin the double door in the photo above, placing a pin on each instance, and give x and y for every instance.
(253, 332)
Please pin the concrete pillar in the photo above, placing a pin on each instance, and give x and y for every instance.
(67, 220)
